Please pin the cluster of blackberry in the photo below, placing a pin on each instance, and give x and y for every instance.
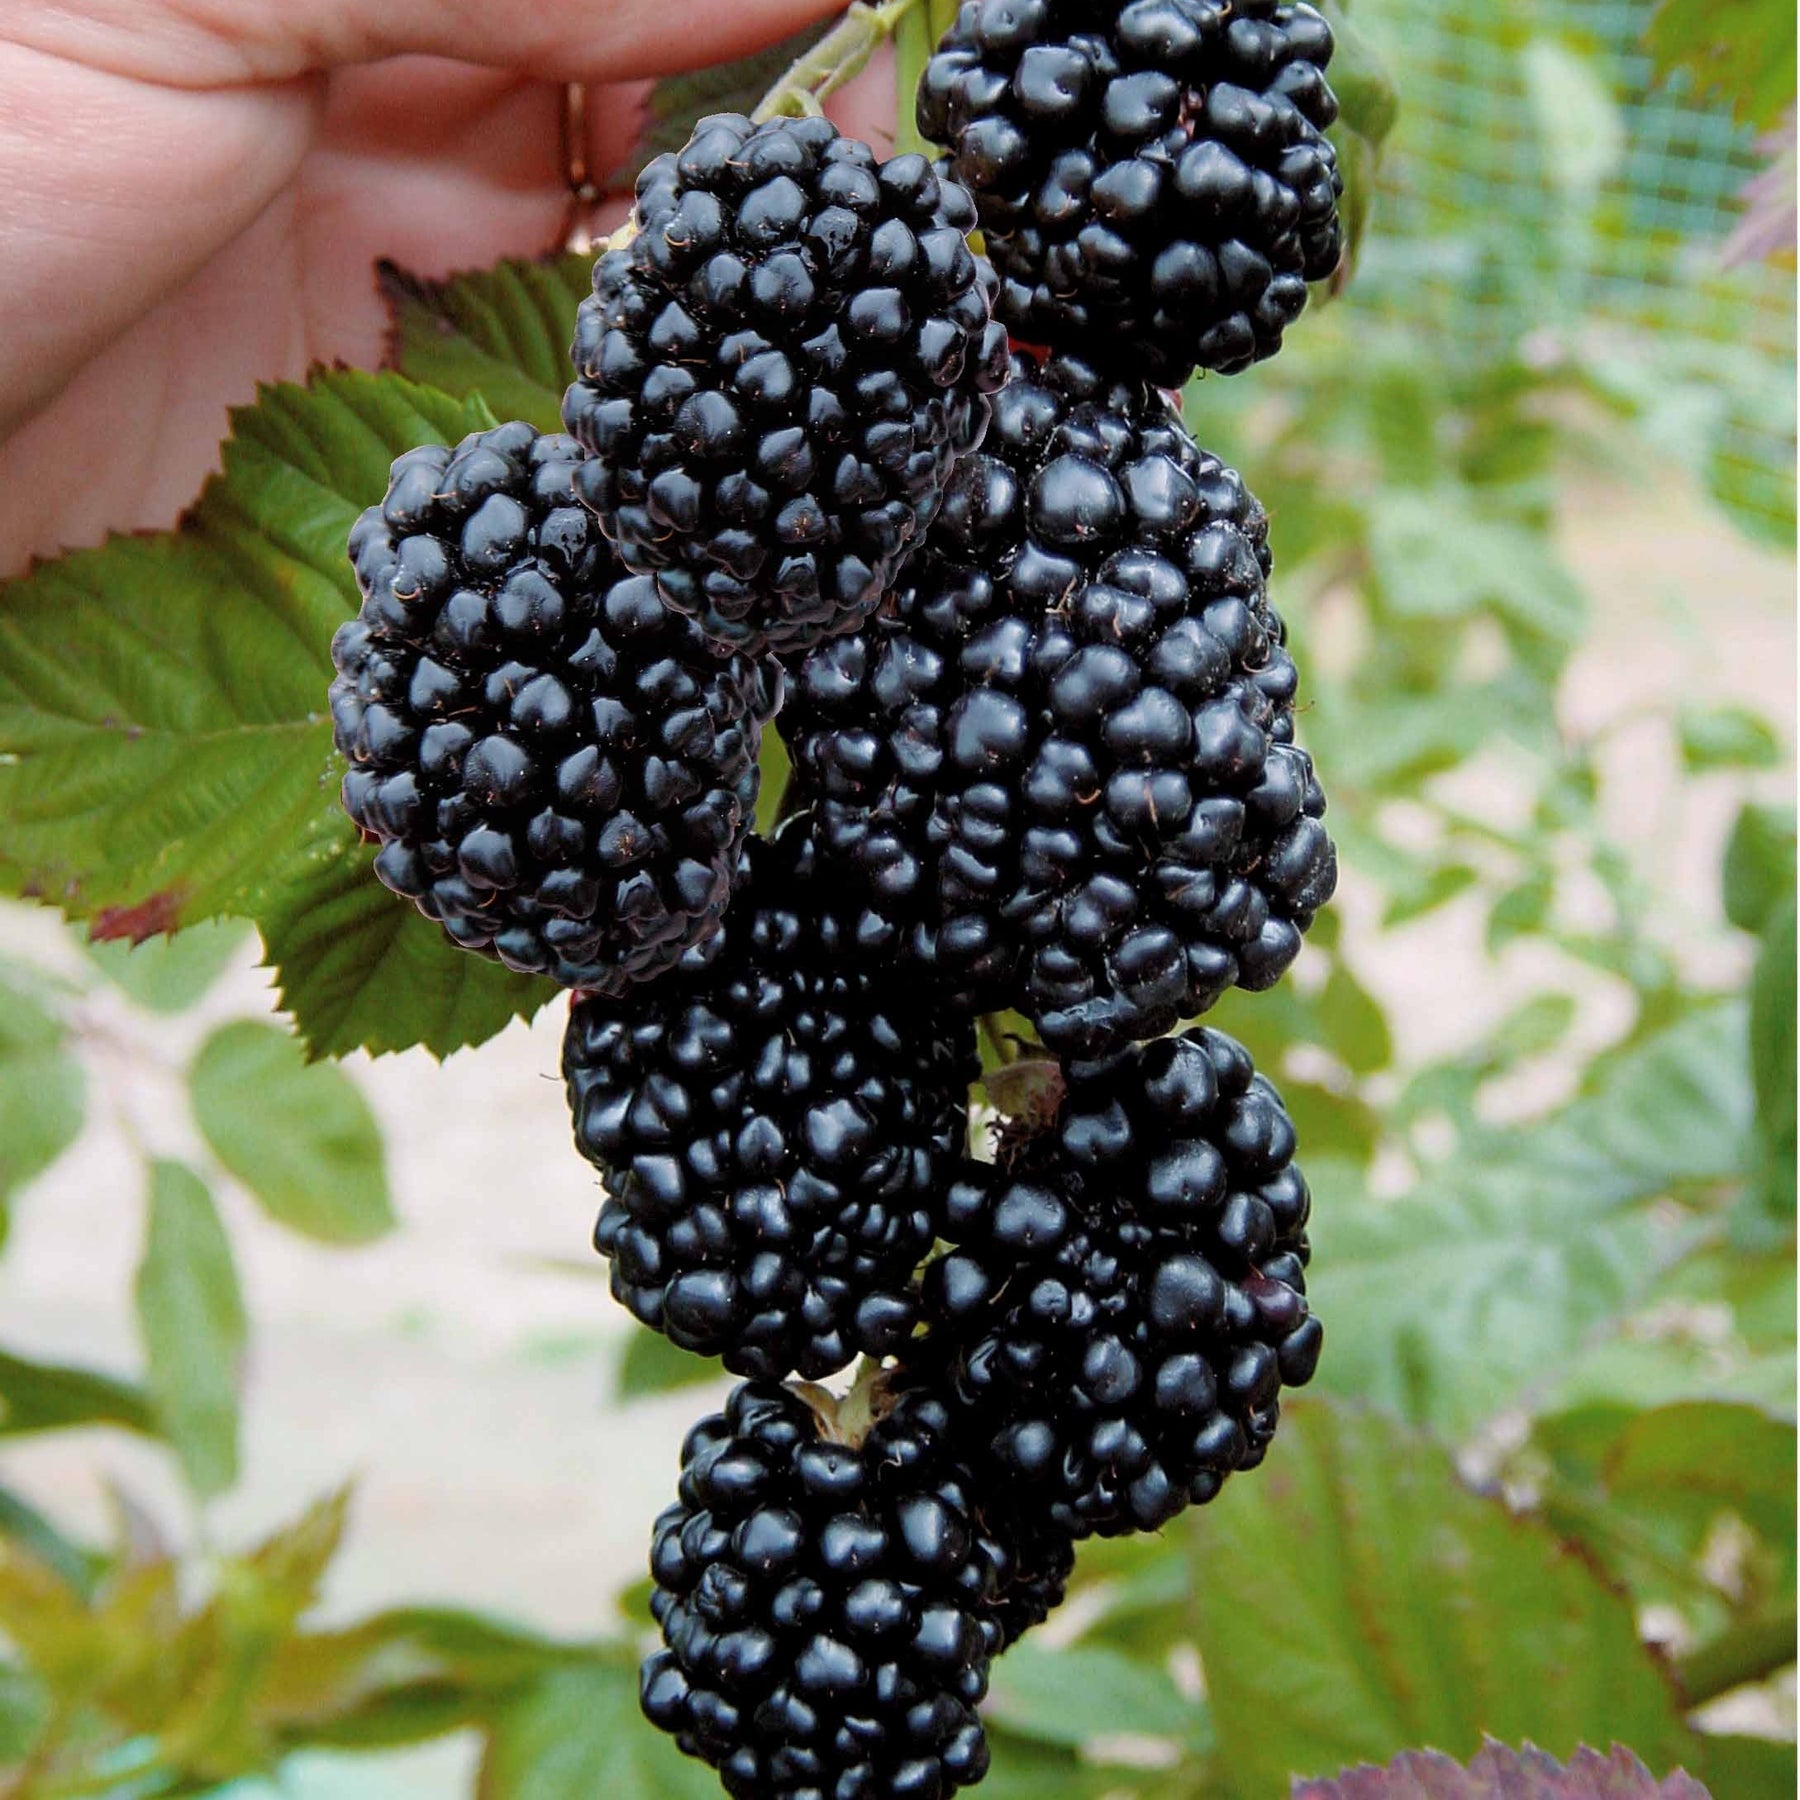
(1040, 723)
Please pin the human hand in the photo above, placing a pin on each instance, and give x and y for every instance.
(197, 191)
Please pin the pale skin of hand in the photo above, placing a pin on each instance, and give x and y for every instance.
(194, 193)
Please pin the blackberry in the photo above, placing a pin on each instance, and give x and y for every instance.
(559, 770)
(777, 372)
(828, 1608)
(1064, 761)
(1154, 180)
(774, 1122)
(1127, 1293)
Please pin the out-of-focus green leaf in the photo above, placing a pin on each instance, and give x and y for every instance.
(42, 1093)
(650, 1364)
(1521, 911)
(1353, 1599)
(1368, 105)
(301, 1138)
(24, 1711)
(1772, 1060)
(23, 1525)
(501, 333)
(1759, 865)
(1445, 1303)
(1080, 1696)
(38, 1396)
(1727, 737)
(192, 1319)
(1671, 1472)
(578, 1731)
(1438, 559)
(169, 974)
(400, 1677)
(1742, 53)
(1355, 1027)
(360, 968)
(1747, 1768)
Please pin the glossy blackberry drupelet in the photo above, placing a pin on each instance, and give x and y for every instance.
(558, 769)
(1154, 180)
(774, 1122)
(1127, 1295)
(828, 1610)
(1063, 762)
(777, 373)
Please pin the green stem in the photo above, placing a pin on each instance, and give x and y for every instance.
(842, 53)
(913, 45)
(1753, 1652)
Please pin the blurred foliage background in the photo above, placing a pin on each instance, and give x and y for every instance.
(1544, 1485)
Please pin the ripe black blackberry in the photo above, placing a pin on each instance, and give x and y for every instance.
(775, 1122)
(777, 372)
(1127, 1291)
(559, 770)
(1064, 761)
(1154, 180)
(829, 1600)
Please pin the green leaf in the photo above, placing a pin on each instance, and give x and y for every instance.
(163, 738)
(42, 1093)
(400, 1677)
(773, 776)
(38, 1396)
(501, 334)
(27, 1529)
(1521, 911)
(1579, 122)
(1089, 1692)
(1446, 1303)
(579, 1731)
(1759, 865)
(170, 974)
(192, 1319)
(301, 1138)
(1727, 737)
(25, 1709)
(1742, 53)
(1747, 1768)
(1772, 1060)
(1437, 558)
(650, 1364)
(1353, 1599)
(1355, 1027)
(362, 969)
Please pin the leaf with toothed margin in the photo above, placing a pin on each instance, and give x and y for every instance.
(163, 732)
(361, 969)
(501, 334)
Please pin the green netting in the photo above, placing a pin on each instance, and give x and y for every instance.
(1542, 191)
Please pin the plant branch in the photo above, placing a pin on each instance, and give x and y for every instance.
(836, 58)
(1753, 1652)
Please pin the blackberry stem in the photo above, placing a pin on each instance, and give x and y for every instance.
(840, 54)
